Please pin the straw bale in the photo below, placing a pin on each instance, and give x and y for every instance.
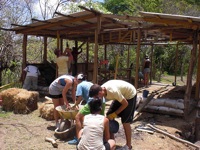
(25, 102)
(8, 97)
(19, 100)
(46, 110)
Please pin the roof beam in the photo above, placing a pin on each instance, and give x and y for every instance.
(57, 23)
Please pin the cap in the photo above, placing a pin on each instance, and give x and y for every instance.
(80, 76)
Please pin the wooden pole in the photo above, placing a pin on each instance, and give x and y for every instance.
(151, 66)
(128, 57)
(198, 74)
(176, 63)
(45, 50)
(95, 68)
(137, 57)
(87, 58)
(24, 47)
(187, 95)
(116, 66)
(58, 40)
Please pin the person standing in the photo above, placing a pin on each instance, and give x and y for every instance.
(95, 134)
(146, 69)
(124, 97)
(58, 92)
(31, 79)
(62, 61)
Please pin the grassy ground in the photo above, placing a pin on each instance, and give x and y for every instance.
(169, 79)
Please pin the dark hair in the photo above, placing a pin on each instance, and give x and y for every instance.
(94, 90)
(95, 105)
(57, 52)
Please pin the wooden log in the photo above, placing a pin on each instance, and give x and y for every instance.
(173, 136)
(52, 141)
(164, 110)
(149, 98)
(177, 104)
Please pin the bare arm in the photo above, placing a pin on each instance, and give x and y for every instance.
(78, 100)
(64, 91)
(74, 92)
(124, 103)
(106, 129)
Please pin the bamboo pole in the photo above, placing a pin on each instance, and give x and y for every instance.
(173, 136)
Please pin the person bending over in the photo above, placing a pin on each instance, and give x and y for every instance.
(123, 105)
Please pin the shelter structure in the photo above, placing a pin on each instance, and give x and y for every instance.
(91, 26)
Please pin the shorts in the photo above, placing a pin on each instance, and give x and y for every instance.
(86, 110)
(146, 70)
(128, 113)
(55, 96)
(106, 144)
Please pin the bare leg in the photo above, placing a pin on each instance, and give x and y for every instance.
(55, 112)
(112, 144)
(79, 122)
(127, 130)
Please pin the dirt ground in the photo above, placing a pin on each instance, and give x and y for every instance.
(28, 132)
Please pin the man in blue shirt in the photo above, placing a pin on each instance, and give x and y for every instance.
(82, 93)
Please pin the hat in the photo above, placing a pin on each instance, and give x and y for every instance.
(80, 76)
(114, 126)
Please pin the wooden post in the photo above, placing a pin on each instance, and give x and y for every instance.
(58, 40)
(87, 58)
(176, 63)
(151, 66)
(128, 57)
(137, 57)
(198, 74)
(105, 54)
(24, 46)
(187, 95)
(95, 67)
(45, 50)
(75, 59)
(116, 66)
(197, 124)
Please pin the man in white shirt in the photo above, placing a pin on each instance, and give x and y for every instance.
(31, 80)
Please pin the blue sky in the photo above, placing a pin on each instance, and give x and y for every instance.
(98, 0)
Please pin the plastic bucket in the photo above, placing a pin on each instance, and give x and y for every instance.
(145, 93)
(114, 126)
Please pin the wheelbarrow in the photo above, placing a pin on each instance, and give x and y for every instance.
(67, 127)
